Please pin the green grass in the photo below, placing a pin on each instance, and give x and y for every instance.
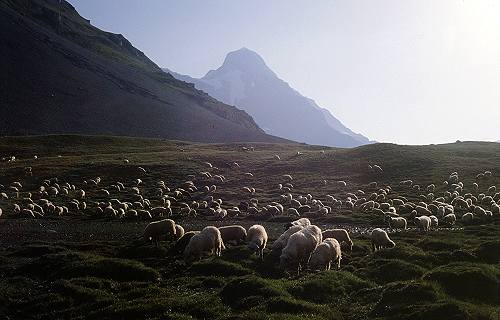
(83, 266)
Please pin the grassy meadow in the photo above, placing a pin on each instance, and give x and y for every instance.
(85, 266)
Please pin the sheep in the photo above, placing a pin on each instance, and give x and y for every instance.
(304, 222)
(380, 239)
(179, 232)
(292, 212)
(341, 235)
(341, 184)
(434, 221)
(328, 251)
(299, 247)
(158, 229)
(208, 240)
(257, 239)
(234, 233)
(282, 240)
(492, 190)
(397, 222)
(468, 218)
(0, 212)
(450, 219)
(495, 209)
(423, 223)
(182, 242)
(422, 210)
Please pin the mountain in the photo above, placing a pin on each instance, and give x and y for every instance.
(60, 74)
(244, 80)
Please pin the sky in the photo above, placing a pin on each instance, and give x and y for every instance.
(408, 72)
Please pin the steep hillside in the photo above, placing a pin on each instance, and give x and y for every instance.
(244, 80)
(62, 75)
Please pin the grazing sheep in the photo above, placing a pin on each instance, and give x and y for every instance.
(495, 209)
(397, 222)
(235, 233)
(341, 235)
(434, 221)
(304, 222)
(292, 212)
(380, 239)
(422, 210)
(468, 218)
(341, 184)
(156, 230)
(282, 240)
(322, 257)
(299, 247)
(182, 242)
(161, 212)
(208, 240)
(450, 219)
(257, 239)
(423, 223)
(492, 190)
(179, 232)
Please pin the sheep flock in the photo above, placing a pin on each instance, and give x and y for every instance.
(199, 196)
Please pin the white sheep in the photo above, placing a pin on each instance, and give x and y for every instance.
(434, 221)
(257, 239)
(179, 232)
(234, 233)
(292, 212)
(299, 247)
(328, 251)
(182, 242)
(341, 184)
(450, 219)
(423, 223)
(208, 240)
(468, 217)
(156, 230)
(341, 235)
(304, 222)
(397, 222)
(282, 240)
(380, 239)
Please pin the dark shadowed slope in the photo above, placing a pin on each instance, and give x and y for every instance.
(59, 74)
(244, 80)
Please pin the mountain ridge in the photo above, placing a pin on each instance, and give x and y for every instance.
(96, 82)
(245, 80)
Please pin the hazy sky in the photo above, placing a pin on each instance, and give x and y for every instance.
(412, 72)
